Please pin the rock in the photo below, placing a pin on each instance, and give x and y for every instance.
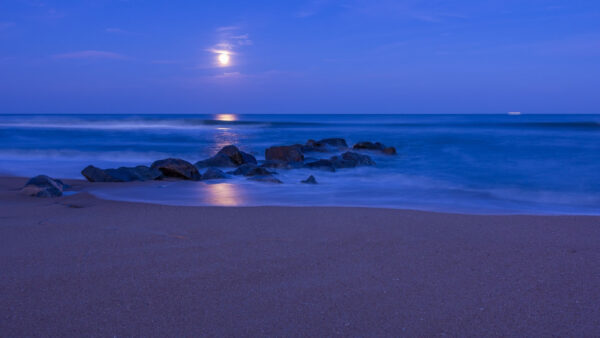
(288, 154)
(265, 178)
(219, 160)
(44, 186)
(243, 169)
(94, 174)
(213, 174)
(251, 170)
(360, 159)
(376, 147)
(335, 142)
(310, 180)
(389, 151)
(174, 167)
(228, 156)
(324, 145)
(339, 163)
(350, 160)
(369, 146)
(277, 164)
(321, 164)
(122, 174)
(259, 171)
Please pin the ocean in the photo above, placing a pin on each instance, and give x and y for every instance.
(482, 164)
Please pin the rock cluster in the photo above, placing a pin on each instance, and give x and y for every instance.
(122, 174)
(276, 157)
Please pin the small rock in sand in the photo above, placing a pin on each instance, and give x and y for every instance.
(122, 174)
(44, 186)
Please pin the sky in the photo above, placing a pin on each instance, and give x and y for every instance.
(355, 56)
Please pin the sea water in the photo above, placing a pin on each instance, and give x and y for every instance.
(505, 164)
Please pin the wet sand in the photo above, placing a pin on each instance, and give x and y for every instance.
(81, 266)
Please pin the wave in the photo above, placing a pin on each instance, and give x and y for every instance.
(173, 124)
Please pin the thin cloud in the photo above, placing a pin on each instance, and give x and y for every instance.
(89, 54)
(230, 40)
(227, 28)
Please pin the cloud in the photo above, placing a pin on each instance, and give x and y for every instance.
(229, 75)
(230, 40)
(89, 54)
(242, 40)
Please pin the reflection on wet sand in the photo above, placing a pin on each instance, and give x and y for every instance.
(223, 194)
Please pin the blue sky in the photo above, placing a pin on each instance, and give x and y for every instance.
(354, 56)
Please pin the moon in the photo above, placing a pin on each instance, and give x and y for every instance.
(223, 59)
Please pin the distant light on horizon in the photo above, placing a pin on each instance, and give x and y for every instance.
(226, 117)
(514, 113)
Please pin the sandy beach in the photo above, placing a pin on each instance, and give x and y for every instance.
(80, 266)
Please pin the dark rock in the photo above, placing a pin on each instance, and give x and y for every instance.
(213, 174)
(94, 174)
(251, 170)
(265, 178)
(277, 164)
(360, 159)
(288, 154)
(310, 180)
(335, 142)
(44, 186)
(324, 145)
(219, 160)
(321, 164)
(174, 167)
(389, 151)
(259, 171)
(369, 146)
(351, 160)
(228, 156)
(122, 174)
(376, 147)
(237, 157)
(243, 169)
(340, 163)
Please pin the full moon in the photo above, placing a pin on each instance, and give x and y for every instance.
(224, 59)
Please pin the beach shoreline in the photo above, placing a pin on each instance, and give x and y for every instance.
(80, 265)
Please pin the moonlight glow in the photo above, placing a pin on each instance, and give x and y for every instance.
(223, 59)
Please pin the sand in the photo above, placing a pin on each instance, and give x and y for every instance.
(81, 266)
